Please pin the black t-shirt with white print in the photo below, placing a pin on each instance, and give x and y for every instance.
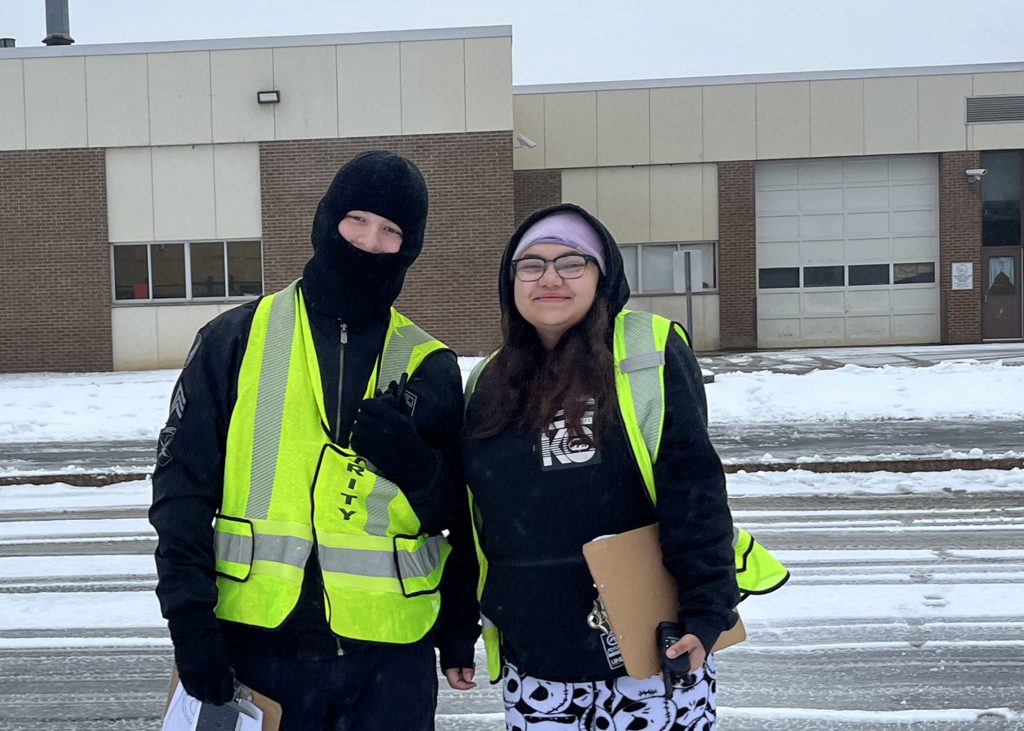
(545, 495)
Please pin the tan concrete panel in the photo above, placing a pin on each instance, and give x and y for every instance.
(12, 91)
(433, 87)
(677, 205)
(941, 103)
(179, 98)
(624, 203)
(579, 186)
(709, 176)
(1001, 83)
(308, 81)
(676, 133)
(117, 92)
(130, 194)
(133, 330)
(996, 136)
(528, 119)
(369, 89)
(183, 193)
(783, 120)
(730, 129)
(176, 329)
(55, 113)
(837, 117)
(235, 77)
(890, 115)
(488, 84)
(705, 335)
(570, 130)
(237, 189)
(623, 127)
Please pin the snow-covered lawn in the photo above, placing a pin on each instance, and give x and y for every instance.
(133, 405)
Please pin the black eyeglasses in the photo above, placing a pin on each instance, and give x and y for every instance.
(567, 266)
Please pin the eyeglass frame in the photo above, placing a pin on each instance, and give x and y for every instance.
(514, 265)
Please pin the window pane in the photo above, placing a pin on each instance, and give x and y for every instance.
(707, 263)
(629, 265)
(131, 273)
(657, 268)
(168, 271)
(1000, 199)
(778, 278)
(245, 268)
(823, 276)
(207, 269)
(915, 273)
(862, 274)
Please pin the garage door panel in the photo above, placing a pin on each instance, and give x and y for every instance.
(778, 228)
(823, 303)
(868, 301)
(860, 216)
(778, 254)
(821, 199)
(821, 226)
(872, 197)
(867, 251)
(867, 224)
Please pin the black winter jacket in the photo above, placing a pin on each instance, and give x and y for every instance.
(188, 480)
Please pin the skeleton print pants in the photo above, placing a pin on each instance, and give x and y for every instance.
(621, 704)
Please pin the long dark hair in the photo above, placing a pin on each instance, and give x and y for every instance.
(527, 384)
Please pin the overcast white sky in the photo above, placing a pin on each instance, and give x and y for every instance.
(593, 40)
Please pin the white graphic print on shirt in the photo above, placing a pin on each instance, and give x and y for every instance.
(559, 450)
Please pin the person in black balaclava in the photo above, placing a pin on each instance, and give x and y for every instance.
(304, 478)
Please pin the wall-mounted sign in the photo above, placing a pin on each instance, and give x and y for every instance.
(963, 275)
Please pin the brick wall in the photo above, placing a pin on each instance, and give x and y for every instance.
(536, 189)
(737, 263)
(959, 241)
(451, 290)
(55, 261)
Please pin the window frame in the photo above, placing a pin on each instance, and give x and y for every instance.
(187, 249)
(679, 246)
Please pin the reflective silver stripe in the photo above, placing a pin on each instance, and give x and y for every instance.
(381, 564)
(639, 362)
(282, 549)
(377, 518)
(232, 547)
(273, 385)
(398, 351)
(423, 562)
(644, 384)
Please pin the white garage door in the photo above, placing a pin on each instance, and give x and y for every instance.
(848, 251)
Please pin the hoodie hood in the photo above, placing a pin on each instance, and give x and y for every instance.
(612, 285)
(348, 283)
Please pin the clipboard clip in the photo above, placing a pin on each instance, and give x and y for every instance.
(241, 693)
(598, 618)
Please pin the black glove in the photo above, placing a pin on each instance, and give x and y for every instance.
(388, 438)
(204, 666)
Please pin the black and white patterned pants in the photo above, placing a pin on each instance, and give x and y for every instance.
(621, 704)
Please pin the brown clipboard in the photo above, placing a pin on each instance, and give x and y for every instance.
(638, 592)
(271, 709)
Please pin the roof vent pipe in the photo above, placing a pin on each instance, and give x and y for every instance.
(6, 43)
(58, 27)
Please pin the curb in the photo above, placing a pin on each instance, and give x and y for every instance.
(99, 479)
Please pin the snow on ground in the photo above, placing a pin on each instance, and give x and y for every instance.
(133, 405)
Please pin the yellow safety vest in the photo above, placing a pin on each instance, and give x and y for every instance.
(638, 346)
(288, 488)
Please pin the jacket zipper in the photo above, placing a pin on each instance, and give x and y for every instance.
(343, 341)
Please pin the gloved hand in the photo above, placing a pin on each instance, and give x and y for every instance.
(388, 438)
(204, 666)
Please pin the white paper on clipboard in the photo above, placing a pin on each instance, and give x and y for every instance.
(183, 713)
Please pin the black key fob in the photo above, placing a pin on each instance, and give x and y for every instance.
(675, 671)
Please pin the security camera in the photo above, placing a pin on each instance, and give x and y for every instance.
(975, 174)
(525, 141)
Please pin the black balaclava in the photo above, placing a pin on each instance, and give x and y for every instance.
(348, 283)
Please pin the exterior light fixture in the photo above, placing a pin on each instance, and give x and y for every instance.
(524, 141)
(268, 97)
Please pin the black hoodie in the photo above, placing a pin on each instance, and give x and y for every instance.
(536, 513)
(342, 286)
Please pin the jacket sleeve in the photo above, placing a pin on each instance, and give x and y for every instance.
(693, 512)
(437, 386)
(189, 476)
